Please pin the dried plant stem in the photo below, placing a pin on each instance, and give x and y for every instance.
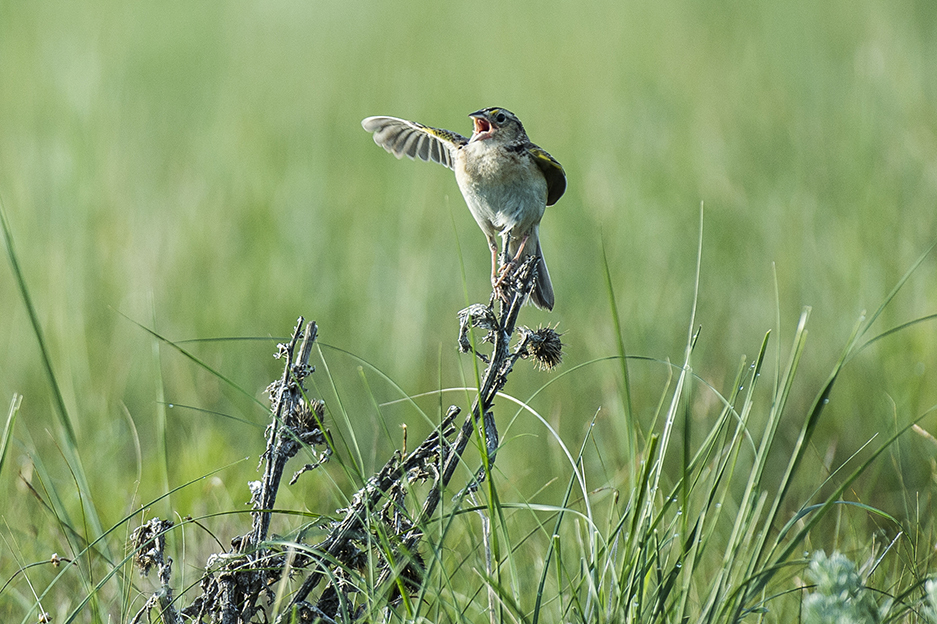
(495, 377)
(236, 582)
(281, 449)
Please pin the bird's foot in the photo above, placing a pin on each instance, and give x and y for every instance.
(501, 282)
(505, 273)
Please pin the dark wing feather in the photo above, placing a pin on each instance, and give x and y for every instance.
(552, 171)
(409, 138)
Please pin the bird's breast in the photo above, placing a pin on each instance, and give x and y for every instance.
(504, 191)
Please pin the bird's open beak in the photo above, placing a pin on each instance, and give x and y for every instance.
(483, 127)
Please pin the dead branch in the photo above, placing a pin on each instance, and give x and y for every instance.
(236, 581)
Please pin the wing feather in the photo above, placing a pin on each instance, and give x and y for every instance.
(414, 140)
(552, 171)
(422, 150)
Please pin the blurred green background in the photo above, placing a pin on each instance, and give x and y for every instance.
(200, 168)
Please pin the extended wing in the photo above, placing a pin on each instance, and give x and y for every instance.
(409, 138)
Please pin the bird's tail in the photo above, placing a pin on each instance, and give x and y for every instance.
(542, 294)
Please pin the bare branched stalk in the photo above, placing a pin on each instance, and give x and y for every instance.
(149, 542)
(500, 364)
(301, 427)
(237, 581)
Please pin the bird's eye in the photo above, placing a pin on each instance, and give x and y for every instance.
(500, 118)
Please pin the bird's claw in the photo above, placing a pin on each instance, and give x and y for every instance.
(504, 275)
(501, 284)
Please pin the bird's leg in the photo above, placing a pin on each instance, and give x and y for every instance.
(497, 293)
(520, 249)
(493, 245)
(495, 281)
(509, 265)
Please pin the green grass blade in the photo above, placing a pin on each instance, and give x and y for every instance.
(894, 291)
(630, 425)
(69, 446)
(61, 411)
(8, 428)
(195, 360)
(556, 529)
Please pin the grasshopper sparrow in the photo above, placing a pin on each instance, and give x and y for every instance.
(506, 180)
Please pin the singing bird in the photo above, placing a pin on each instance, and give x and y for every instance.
(506, 180)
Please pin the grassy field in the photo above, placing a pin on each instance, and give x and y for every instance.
(199, 170)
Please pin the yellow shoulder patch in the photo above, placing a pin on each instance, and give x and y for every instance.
(453, 138)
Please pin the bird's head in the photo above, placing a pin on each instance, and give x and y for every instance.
(498, 123)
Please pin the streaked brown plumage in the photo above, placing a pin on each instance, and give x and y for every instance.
(506, 180)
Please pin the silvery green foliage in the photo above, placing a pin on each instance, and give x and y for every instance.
(840, 597)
